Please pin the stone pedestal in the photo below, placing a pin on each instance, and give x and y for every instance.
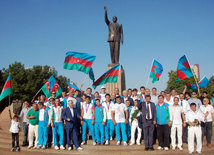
(121, 83)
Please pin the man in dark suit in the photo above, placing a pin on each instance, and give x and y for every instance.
(148, 119)
(70, 117)
(126, 97)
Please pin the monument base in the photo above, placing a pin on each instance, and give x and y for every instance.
(121, 83)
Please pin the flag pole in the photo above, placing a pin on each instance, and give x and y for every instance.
(38, 91)
(83, 81)
(9, 100)
(192, 72)
(149, 73)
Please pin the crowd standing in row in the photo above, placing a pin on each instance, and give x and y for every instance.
(104, 116)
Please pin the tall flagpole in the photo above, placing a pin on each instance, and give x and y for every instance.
(9, 100)
(149, 72)
(83, 81)
(192, 72)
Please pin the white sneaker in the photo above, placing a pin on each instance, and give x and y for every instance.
(131, 144)
(111, 138)
(160, 148)
(125, 144)
(69, 148)
(56, 147)
(62, 147)
(29, 147)
(173, 148)
(180, 148)
(83, 143)
(138, 143)
(37, 147)
(94, 143)
(166, 148)
(118, 143)
(43, 147)
(107, 142)
(79, 149)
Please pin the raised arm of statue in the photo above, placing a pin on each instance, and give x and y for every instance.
(121, 34)
(106, 16)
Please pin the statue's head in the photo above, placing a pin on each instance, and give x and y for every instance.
(114, 19)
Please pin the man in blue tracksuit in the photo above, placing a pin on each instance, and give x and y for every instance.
(43, 122)
(57, 124)
(163, 117)
(109, 126)
(100, 119)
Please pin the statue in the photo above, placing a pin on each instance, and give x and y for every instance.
(114, 37)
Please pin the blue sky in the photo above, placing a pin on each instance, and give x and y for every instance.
(41, 32)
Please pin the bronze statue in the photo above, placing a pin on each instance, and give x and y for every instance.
(114, 37)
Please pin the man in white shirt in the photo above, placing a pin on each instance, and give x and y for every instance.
(154, 97)
(168, 100)
(103, 93)
(25, 121)
(120, 119)
(173, 94)
(109, 126)
(193, 119)
(176, 115)
(185, 105)
(207, 113)
(134, 94)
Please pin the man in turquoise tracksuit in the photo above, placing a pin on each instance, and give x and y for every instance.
(163, 117)
(43, 122)
(100, 119)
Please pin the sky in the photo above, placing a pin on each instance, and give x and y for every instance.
(41, 32)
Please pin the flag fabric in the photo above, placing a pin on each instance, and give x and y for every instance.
(183, 70)
(7, 89)
(156, 71)
(91, 75)
(72, 86)
(110, 76)
(78, 61)
(50, 86)
(202, 83)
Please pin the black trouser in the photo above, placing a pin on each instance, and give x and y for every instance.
(15, 136)
(25, 130)
(163, 135)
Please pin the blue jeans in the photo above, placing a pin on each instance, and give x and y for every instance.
(25, 130)
(99, 132)
(128, 130)
(109, 127)
(87, 124)
(58, 130)
(42, 133)
(207, 131)
(121, 127)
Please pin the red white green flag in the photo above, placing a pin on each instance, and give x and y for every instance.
(111, 76)
(7, 89)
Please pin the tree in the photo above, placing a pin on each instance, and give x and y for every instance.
(27, 81)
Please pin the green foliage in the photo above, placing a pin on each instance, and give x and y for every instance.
(27, 81)
(179, 86)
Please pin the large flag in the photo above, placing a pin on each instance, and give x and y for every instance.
(111, 76)
(7, 89)
(50, 86)
(156, 71)
(183, 70)
(202, 83)
(91, 75)
(78, 61)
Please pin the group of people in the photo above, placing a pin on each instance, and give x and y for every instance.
(104, 117)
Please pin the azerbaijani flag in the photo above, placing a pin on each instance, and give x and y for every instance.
(111, 76)
(72, 86)
(156, 71)
(50, 86)
(7, 89)
(78, 61)
(183, 70)
(202, 83)
(91, 75)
